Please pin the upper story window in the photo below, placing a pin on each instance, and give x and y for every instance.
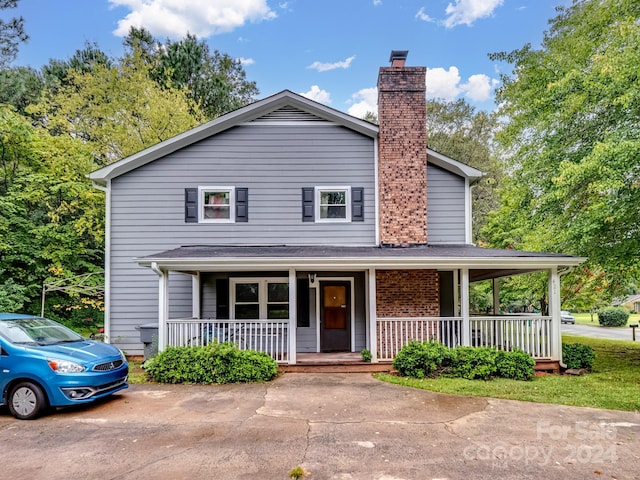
(216, 204)
(333, 204)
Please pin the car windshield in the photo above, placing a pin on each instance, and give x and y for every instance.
(36, 331)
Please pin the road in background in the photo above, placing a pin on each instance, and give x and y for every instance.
(622, 333)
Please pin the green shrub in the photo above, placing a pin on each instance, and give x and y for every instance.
(516, 364)
(613, 317)
(215, 363)
(577, 355)
(366, 355)
(419, 360)
(474, 362)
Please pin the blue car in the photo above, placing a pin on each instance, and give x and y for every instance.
(44, 364)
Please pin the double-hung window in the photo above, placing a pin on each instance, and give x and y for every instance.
(333, 204)
(259, 298)
(217, 204)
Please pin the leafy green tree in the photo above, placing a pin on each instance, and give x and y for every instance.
(12, 33)
(51, 219)
(20, 87)
(573, 136)
(116, 109)
(458, 131)
(214, 81)
(16, 141)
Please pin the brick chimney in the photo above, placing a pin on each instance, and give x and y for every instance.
(402, 152)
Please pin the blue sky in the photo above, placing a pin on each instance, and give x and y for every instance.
(328, 50)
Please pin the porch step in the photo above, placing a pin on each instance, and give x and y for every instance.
(549, 366)
(331, 367)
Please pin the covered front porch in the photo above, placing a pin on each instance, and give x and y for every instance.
(288, 301)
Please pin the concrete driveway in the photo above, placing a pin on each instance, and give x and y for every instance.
(336, 426)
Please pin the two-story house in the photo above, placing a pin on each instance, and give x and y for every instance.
(288, 226)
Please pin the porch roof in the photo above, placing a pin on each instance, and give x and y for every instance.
(486, 262)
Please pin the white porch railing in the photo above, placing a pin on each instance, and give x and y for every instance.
(530, 333)
(267, 336)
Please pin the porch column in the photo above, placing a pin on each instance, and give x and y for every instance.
(496, 296)
(464, 306)
(293, 322)
(373, 316)
(163, 304)
(195, 295)
(554, 311)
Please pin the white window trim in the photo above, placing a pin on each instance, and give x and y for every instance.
(263, 293)
(232, 204)
(332, 188)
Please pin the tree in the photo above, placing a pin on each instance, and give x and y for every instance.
(20, 87)
(51, 218)
(573, 136)
(456, 130)
(11, 34)
(117, 109)
(214, 81)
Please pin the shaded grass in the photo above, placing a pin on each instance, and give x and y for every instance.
(137, 373)
(613, 384)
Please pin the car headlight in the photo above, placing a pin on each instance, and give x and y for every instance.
(65, 366)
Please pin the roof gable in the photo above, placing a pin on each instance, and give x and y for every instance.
(282, 108)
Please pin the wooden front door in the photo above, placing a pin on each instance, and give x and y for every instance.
(335, 316)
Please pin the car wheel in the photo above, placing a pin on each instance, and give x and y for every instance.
(26, 401)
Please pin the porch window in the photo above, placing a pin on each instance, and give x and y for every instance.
(217, 204)
(264, 298)
(333, 204)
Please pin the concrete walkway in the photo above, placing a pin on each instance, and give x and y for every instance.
(336, 426)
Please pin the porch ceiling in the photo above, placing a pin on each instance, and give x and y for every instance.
(484, 262)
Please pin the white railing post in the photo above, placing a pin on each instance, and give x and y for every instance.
(373, 317)
(464, 304)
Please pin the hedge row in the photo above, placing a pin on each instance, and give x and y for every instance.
(215, 363)
(430, 358)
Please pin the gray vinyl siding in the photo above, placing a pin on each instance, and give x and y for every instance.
(274, 162)
(445, 206)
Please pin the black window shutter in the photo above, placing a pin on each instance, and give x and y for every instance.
(357, 204)
(222, 299)
(242, 204)
(191, 205)
(302, 310)
(308, 213)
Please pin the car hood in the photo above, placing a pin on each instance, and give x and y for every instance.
(84, 351)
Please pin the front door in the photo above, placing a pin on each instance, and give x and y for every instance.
(335, 316)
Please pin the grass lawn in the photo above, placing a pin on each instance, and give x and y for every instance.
(613, 384)
(585, 319)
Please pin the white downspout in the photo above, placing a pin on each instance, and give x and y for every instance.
(162, 304)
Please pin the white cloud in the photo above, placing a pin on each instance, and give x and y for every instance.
(422, 15)
(176, 18)
(325, 67)
(246, 61)
(447, 85)
(443, 83)
(465, 12)
(318, 95)
(479, 87)
(377, 2)
(366, 101)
